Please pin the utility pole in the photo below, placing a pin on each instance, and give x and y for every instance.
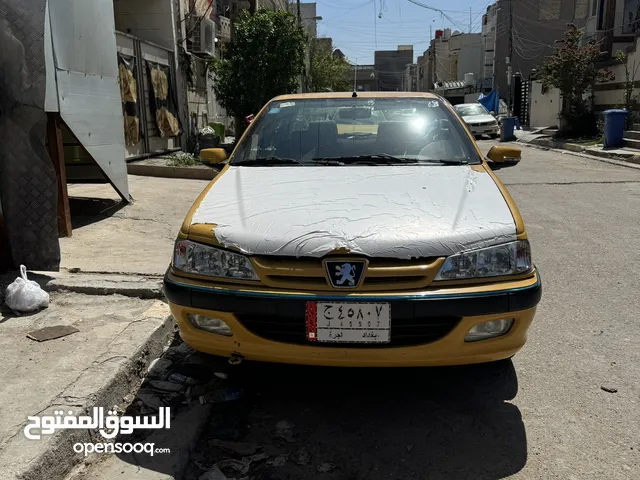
(355, 75)
(509, 59)
(470, 27)
(304, 70)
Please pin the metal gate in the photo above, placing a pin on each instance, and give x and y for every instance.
(521, 100)
(151, 142)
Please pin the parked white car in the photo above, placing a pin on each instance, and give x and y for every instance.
(478, 119)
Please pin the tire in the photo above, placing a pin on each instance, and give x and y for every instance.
(494, 136)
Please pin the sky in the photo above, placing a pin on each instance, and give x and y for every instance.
(359, 27)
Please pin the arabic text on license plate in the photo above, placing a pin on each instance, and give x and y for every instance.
(345, 322)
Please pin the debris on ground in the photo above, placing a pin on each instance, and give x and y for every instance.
(51, 333)
(609, 389)
(182, 379)
(149, 398)
(220, 396)
(284, 430)
(325, 467)
(303, 457)
(409, 448)
(278, 461)
(240, 466)
(167, 386)
(258, 457)
(24, 295)
(242, 449)
(159, 368)
(213, 474)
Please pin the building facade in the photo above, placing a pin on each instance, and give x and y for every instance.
(410, 78)
(535, 26)
(365, 78)
(390, 67)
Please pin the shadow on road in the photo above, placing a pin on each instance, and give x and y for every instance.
(85, 211)
(450, 422)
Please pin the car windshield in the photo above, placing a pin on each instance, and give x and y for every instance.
(346, 131)
(470, 110)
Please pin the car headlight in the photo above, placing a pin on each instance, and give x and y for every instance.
(507, 259)
(192, 257)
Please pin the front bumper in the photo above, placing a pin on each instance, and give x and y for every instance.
(484, 130)
(517, 302)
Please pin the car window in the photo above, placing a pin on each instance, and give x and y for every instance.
(306, 130)
(470, 110)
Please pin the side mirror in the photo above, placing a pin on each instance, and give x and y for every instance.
(503, 156)
(213, 156)
(493, 113)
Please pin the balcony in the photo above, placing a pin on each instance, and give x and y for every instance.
(224, 31)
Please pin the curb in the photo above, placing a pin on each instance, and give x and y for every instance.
(611, 161)
(146, 287)
(93, 284)
(191, 173)
(630, 161)
(59, 457)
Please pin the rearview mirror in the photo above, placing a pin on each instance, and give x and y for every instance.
(213, 156)
(503, 156)
(354, 113)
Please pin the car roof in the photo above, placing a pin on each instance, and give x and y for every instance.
(467, 104)
(323, 95)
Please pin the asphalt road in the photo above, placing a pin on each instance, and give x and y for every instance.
(543, 415)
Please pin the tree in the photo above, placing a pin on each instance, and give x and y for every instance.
(328, 72)
(572, 69)
(264, 61)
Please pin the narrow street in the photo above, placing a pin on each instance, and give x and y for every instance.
(545, 414)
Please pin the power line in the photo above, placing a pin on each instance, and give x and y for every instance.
(436, 10)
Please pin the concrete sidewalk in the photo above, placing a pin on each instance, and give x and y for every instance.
(628, 155)
(122, 322)
(97, 366)
(111, 236)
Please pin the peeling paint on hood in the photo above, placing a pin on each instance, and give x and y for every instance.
(377, 211)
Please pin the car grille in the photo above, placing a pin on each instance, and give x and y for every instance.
(483, 124)
(404, 331)
(381, 275)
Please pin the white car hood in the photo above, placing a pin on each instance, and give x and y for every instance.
(478, 119)
(378, 211)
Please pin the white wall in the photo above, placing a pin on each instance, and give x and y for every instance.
(545, 108)
(470, 57)
(150, 20)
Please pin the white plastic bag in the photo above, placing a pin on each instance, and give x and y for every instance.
(25, 295)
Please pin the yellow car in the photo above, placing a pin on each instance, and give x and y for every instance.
(393, 246)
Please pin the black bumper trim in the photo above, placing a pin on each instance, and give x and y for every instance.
(458, 306)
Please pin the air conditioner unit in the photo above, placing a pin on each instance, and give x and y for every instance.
(203, 34)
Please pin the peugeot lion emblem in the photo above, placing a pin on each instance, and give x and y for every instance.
(343, 274)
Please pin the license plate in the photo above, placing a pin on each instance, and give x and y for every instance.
(347, 322)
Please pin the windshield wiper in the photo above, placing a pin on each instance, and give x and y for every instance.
(262, 161)
(378, 158)
(448, 161)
